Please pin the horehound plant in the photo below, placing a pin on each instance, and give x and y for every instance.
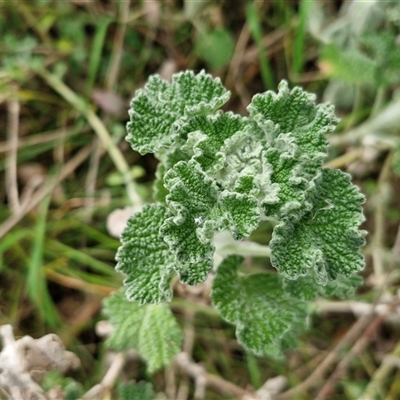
(223, 172)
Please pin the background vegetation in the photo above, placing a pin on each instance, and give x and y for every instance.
(68, 70)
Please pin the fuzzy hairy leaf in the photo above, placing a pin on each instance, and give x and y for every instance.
(206, 136)
(247, 169)
(150, 329)
(145, 258)
(295, 129)
(201, 209)
(158, 110)
(267, 319)
(221, 172)
(326, 239)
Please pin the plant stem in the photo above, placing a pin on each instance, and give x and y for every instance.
(98, 126)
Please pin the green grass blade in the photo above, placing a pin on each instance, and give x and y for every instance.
(254, 370)
(299, 37)
(81, 257)
(95, 55)
(10, 240)
(256, 31)
(36, 279)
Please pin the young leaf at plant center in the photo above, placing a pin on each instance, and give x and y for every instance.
(150, 329)
(201, 209)
(206, 135)
(230, 149)
(145, 258)
(161, 107)
(326, 239)
(246, 168)
(295, 130)
(265, 315)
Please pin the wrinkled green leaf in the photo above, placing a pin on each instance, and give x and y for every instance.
(267, 319)
(206, 136)
(145, 258)
(158, 110)
(295, 130)
(247, 169)
(326, 239)
(201, 209)
(149, 329)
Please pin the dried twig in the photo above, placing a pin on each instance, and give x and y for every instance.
(375, 386)
(381, 200)
(395, 251)
(98, 391)
(198, 373)
(345, 363)
(118, 46)
(316, 377)
(381, 374)
(359, 308)
(40, 138)
(345, 159)
(237, 58)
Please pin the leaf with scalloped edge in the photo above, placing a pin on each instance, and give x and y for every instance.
(160, 108)
(295, 129)
(145, 258)
(267, 319)
(327, 238)
(150, 329)
(201, 209)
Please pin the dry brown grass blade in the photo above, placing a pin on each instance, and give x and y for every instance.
(11, 159)
(46, 189)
